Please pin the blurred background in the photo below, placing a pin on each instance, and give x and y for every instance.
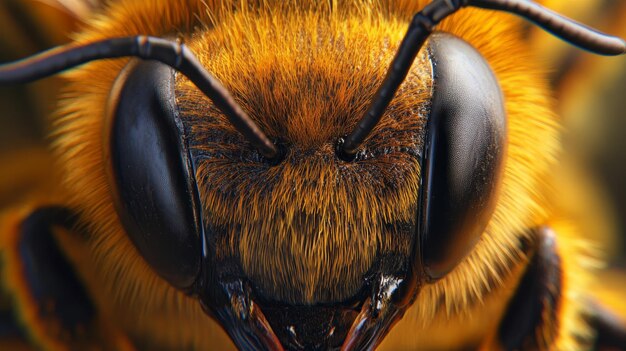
(590, 93)
(27, 27)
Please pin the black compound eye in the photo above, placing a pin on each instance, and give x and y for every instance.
(463, 155)
(151, 173)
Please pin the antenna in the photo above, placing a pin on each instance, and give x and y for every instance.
(171, 53)
(423, 25)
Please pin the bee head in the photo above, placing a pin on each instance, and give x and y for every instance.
(311, 234)
(316, 249)
(321, 243)
(292, 211)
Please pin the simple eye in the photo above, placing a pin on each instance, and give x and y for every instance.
(463, 155)
(151, 174)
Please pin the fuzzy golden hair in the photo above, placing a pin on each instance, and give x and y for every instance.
(307, 230)
(305, 71)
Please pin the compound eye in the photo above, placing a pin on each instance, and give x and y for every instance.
(151, 173)
(463, 155)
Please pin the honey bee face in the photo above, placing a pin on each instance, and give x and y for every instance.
(313, 233)
(331, 240)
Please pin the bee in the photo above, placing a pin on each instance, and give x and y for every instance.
(302, 175)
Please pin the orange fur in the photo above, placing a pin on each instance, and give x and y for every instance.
(307, 231)
(305, 70)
